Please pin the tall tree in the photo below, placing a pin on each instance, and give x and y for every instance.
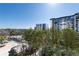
(28, 35)
(70, 40)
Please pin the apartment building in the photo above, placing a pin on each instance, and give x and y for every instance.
(71, 22)
(41, 26)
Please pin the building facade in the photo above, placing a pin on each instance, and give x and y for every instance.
(41, 26)
(71, 22)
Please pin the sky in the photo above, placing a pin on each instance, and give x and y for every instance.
(27, 15)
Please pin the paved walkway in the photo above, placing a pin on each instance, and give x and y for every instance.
(4, 50)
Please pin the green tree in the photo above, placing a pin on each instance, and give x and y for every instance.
(56, 35)
(69, 36)
(71, 42)
(28, 35)
(53, 47)
(40, 38)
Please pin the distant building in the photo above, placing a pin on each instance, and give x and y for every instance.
(71, 22)
(14, 37)
(41, 26)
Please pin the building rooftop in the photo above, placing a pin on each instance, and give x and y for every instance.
(65, 16)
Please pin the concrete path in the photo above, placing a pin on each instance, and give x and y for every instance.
(4, 50)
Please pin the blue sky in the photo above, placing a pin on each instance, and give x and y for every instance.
(28, 15)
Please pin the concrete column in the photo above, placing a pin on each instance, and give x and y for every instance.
(53, 24)
(75, 22)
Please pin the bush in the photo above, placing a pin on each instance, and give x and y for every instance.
(24, 51)
(12, 52)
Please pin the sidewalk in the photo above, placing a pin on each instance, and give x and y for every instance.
(4, 50)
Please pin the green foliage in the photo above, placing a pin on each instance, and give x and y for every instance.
(28, 35)
(13, 53)
(22, 52)
(2, 38)
(15, 32)
(70, 40)
(36, 38)
(55, 37)
(64, 43)
(53, 41)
